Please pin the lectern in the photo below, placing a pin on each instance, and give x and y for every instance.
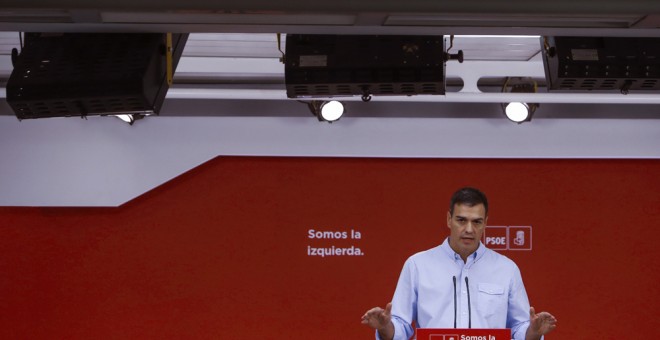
(463, 334)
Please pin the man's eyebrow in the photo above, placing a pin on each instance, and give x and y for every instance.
(459, 217)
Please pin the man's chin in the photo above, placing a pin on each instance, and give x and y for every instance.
(468, 241)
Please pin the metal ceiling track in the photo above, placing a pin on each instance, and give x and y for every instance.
(606, 18)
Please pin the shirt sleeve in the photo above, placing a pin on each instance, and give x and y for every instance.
(404, 302)
(518, 313)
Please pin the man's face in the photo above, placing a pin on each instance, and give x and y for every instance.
(467, 225)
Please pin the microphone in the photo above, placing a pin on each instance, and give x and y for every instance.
(455, 301)
(467, 286)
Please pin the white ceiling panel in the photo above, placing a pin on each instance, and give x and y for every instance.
(240, 45)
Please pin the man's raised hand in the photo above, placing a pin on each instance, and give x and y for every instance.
(378, 318)
(540, 324)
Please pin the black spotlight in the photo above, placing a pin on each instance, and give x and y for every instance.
(602, 63)
(349, 65)
(81, 74)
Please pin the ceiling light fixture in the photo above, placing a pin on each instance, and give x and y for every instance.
(327, 111)
(76, 76)
(126, 118)
(325, 66)
(615, 64)
(519, 112)
(130, 118)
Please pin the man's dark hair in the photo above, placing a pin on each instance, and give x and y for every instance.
(468, 196)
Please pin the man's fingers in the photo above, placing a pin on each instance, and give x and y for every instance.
(374, 312)
(546, 316)
(549, 317)
(377, 317)
(542, 322)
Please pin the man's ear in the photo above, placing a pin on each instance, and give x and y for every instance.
(448, 220)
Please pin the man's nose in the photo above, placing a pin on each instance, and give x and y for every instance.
(469, 228)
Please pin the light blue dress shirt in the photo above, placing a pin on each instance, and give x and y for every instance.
(425, 292)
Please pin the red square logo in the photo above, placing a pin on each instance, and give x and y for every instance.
(496, 238)
(520, 238)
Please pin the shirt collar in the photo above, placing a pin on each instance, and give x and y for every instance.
(452, 254)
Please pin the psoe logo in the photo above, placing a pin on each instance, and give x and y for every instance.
(520, 238)
(508, 237)
(496, 237)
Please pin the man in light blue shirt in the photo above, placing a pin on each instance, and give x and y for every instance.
(460, 284)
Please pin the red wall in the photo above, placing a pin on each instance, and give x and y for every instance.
(221, 252)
